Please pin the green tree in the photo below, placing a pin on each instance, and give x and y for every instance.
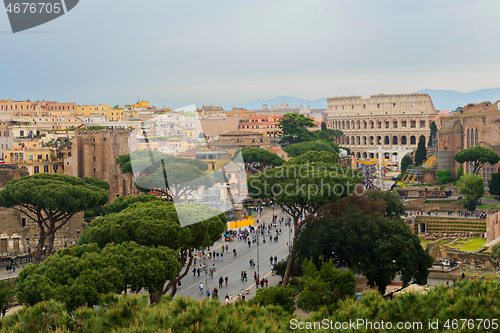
(421, 153)
(444, 176)
(156, 223)
(301, 189)
(258, 159)
(472, 186)
(406, 161)
(131, 313)
(278, 296)
(174, 177)
(294, 128)
(494, 183)
(81, 274)
(432, 138)
(97, 182)
(50, 200)
(495, 251)
(312, 157)
(7, 293)
(126, 201)
(355, 232)
(324, 287)
(394, 205)
(298, 149)
(323, 126)
(476, 157)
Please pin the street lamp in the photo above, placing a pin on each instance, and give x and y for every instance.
(78, 234)
(258, 272)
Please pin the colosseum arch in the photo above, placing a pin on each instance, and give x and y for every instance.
(352, 140)
(379, 140)
(372, 124)
(358, 140)
(352, 124)
(413, 140)
(358, 124)
(365, 155)
(477, 137)
(372, 142)
(403, 140)
(346, 140)
(468, 138)
(364, 140)
(365, 125)
(343, 124)
(386, 140)
(358, 154)
(379, 124)
(472, 142)
(348, 125)
(394, 140)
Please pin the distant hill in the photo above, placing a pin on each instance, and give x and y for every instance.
(257, 104)
(451, 99)
(442, 99)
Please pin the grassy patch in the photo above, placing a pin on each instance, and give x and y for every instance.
(488, 206)
(474, 245)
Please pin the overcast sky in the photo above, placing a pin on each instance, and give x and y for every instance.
(181, 52)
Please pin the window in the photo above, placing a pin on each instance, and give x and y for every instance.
(395, 124)
(422, 123)
(412, 104)
(393, 105)
(413, 124)
(379, 123)
(387, 124)
(30, 157)
(94, 170)
(94, 158)
(93, 148)
(378, 105)
(36, 170)
(45, 168)
(403, 123)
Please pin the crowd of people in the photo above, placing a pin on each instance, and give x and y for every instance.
(247, 235)
(368, 171)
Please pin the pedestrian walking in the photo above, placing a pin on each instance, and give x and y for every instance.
(226, 299)
(266, 281)
(227, 247)
(262, 283)
(221, 281)
(226, 279)
(256, 284)
(245, 276)
(217, 255)
(275, 260)
(194, 272)
(271, 260)
(198, 271)
(221, 256)
(208, 293)
(255, 275)
(201, 288)
(249, 243)
(234, 251)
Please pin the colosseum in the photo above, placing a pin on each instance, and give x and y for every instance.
(385, 126)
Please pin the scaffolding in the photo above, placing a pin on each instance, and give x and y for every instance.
(445, 159)
(217, 197)
(411, 176)
(431, 162)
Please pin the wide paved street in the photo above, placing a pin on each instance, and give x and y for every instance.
(232, 265)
